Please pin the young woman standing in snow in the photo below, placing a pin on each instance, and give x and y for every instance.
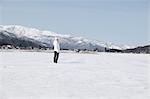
(56, 49)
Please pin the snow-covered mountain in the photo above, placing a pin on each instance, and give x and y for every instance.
(45, 38)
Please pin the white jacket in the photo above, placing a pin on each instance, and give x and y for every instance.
(56, 45)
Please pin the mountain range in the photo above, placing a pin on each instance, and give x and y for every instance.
(22, 36)
(25, 36)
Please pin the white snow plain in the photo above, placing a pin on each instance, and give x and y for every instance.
(33, 75)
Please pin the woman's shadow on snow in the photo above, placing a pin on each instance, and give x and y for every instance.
(71, 62)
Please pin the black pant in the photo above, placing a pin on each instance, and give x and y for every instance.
(56, 55)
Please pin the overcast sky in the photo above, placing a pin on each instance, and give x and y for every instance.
(117, 21)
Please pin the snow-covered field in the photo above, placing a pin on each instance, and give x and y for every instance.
(33, 75)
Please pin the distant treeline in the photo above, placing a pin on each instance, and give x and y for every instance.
(26, 46)
(140, 49)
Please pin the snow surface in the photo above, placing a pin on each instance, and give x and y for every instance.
(33, 75)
